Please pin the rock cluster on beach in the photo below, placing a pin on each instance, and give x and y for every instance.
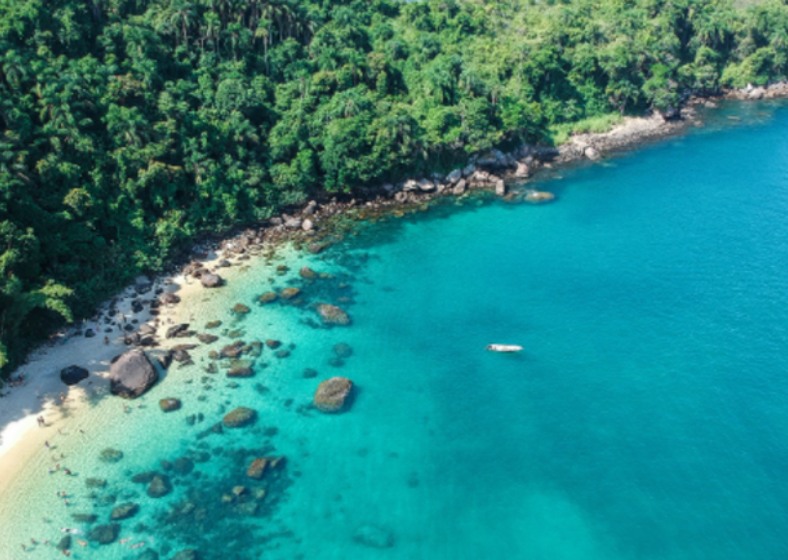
(73, 375)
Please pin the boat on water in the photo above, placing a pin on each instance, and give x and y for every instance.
(503, 348)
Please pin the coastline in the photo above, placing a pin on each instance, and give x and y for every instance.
(21, 439)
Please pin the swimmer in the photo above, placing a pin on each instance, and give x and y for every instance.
(139, 544)
(124, 541)
(82, 543)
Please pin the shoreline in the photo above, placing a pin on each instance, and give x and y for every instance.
(310, 229)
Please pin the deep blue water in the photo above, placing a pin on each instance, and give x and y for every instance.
(645, 419)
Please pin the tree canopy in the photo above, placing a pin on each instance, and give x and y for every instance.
(127, 127)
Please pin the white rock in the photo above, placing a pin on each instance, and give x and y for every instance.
(591, 153)
(410, 185)
(293, 223)
(426, 185)
(500, 187)
(307, 225)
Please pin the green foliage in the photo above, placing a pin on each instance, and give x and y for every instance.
(127, 127)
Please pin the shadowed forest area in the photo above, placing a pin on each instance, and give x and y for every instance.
(127, 127)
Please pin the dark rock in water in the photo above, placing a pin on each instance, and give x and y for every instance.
(165, 466)
(232, 350)
(169, 298)
(273, 344)
(213, 324)
(104, 534)
(181, 356)
(207, 338)
(110, 455)
(334, 395)
(309, 373)
(131, 374)
(241, 309)
(373, 536)
(240, 372)
(332, 315)
(316, 248)
(64, 543)
(308, 273)
(240, 417)
(90, 333)
(336, 362)
(108, 499)
(183, 465)
(175, 330)
(211, 280)
(261, 466)
(289, 293)
(84, 517)
(169, 405)
(124, 511)
(149, 554)
(268, 297)
(187, 554)
(144, 478)
(159, 486)
(73, 375)
(343, 350)
(191, 419)
(255, 348)
(282, 353)
(99, 482)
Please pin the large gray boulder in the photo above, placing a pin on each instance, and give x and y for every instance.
(211, 280)
(131, 374)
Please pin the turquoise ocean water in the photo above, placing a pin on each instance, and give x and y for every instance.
(647, 417)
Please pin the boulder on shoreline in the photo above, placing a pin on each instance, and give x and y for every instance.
(211, 280)
(334, 395)
(132, 374)
(73, 375)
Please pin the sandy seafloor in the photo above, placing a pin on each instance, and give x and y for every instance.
(646, 417)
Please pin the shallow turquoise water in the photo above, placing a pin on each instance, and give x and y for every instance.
(645, 419)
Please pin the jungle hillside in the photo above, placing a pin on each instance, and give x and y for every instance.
(129, 127)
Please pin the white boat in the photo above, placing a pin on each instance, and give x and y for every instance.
(503, 348)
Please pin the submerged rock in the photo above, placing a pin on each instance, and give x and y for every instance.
(261, 466)
(538, 197)
(183, 465)
(273, 344)
(343, 350)
(160, 486)
(84, 517)
(307, 273)
(144, 478)
(207, 338)
(169, 405)
(110, 455)
(309, 373)
(268, 297)
(333, 315)
(73, 375)
(175, 330)
(124, 511)
(149, 554)
(241, 309)
(373, 536)
(187, 554)
(104, 534)
(240, 371)
(289, 293)
(240, 417)
(213, 324)
(131, 374)
(334, 395)
(64, 543)
(99, 482)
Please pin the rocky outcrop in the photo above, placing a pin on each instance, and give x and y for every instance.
(124, 511)
(268, 297)
(170, 405)
(169, 298)
(73, 375)
(289, 293)
(332, 315)
(334, 395)
(240, 417)
(104, 534)
(211, 280)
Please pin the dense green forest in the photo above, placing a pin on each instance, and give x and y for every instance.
(127, 127)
